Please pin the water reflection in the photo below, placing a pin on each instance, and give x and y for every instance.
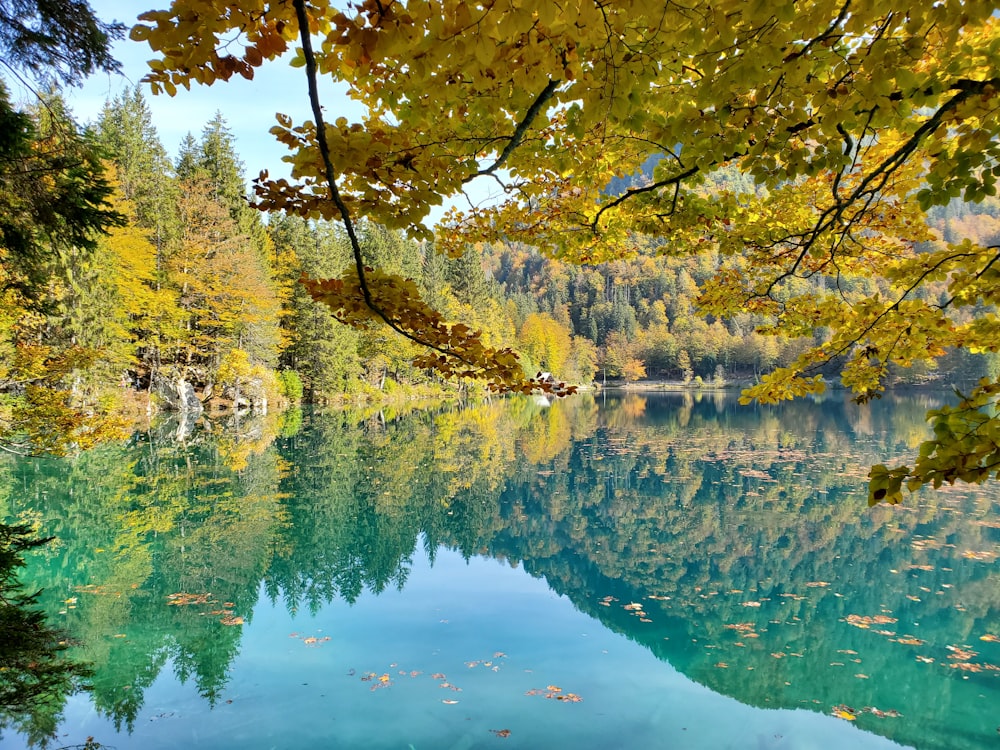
(732, 542)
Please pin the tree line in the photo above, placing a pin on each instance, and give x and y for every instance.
(167, 274)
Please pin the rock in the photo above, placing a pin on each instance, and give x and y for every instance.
(250, 395)
(176, 394)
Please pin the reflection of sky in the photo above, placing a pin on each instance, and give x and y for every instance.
(284, 693)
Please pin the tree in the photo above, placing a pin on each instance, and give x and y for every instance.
(547, 343)
(846, 122)
(53, 208)
(126, 132)
(56, 40)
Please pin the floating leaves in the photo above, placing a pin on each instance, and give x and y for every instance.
(845, 712)
(226, 615)
(986, 556)
(554, 692)
(501, 733)
(184, 600)
(311, 640)
(377, 681)
(491, 664)
(966, 666)
(865, 622)
(961, 653)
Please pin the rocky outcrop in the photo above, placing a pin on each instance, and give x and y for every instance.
(249, 395)
(176, 394)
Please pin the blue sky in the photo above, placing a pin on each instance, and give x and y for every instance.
(248, 106)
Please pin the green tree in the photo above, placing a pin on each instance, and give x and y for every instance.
(126, 132)
(321, 350)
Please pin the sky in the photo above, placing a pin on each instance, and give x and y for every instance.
(247, 106)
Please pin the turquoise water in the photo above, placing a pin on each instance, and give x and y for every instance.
(619, 572)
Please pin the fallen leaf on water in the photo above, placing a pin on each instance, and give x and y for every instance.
(845, 712)
(505, 733)
(448, 702)
(890, 714)
(751, 604)
(817, 584)
(182, 599)
(983, 556)
(910, 641)
(864, 622)
(989, 638)
(230, 620)
(861, 676)
(961, 654)
(437, 676)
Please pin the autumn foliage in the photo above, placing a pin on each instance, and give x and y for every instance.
(849, 120)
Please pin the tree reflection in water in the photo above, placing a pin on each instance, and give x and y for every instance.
(734, 543)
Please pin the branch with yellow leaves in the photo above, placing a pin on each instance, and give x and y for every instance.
(366, 293)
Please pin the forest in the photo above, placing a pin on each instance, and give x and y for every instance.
(192, 293)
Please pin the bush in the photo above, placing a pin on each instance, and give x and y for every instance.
(291, 385)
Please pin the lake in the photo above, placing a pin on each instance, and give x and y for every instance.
(612, 570)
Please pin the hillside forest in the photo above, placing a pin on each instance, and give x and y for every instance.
(191, 287)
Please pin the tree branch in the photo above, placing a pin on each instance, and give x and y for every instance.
(520, 130)
(338, 201)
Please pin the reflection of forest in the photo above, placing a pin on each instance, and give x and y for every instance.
(733, 542)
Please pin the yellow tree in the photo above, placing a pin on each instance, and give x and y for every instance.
(847, 118)
(546, 342)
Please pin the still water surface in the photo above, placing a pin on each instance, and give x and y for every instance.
(619, 571)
